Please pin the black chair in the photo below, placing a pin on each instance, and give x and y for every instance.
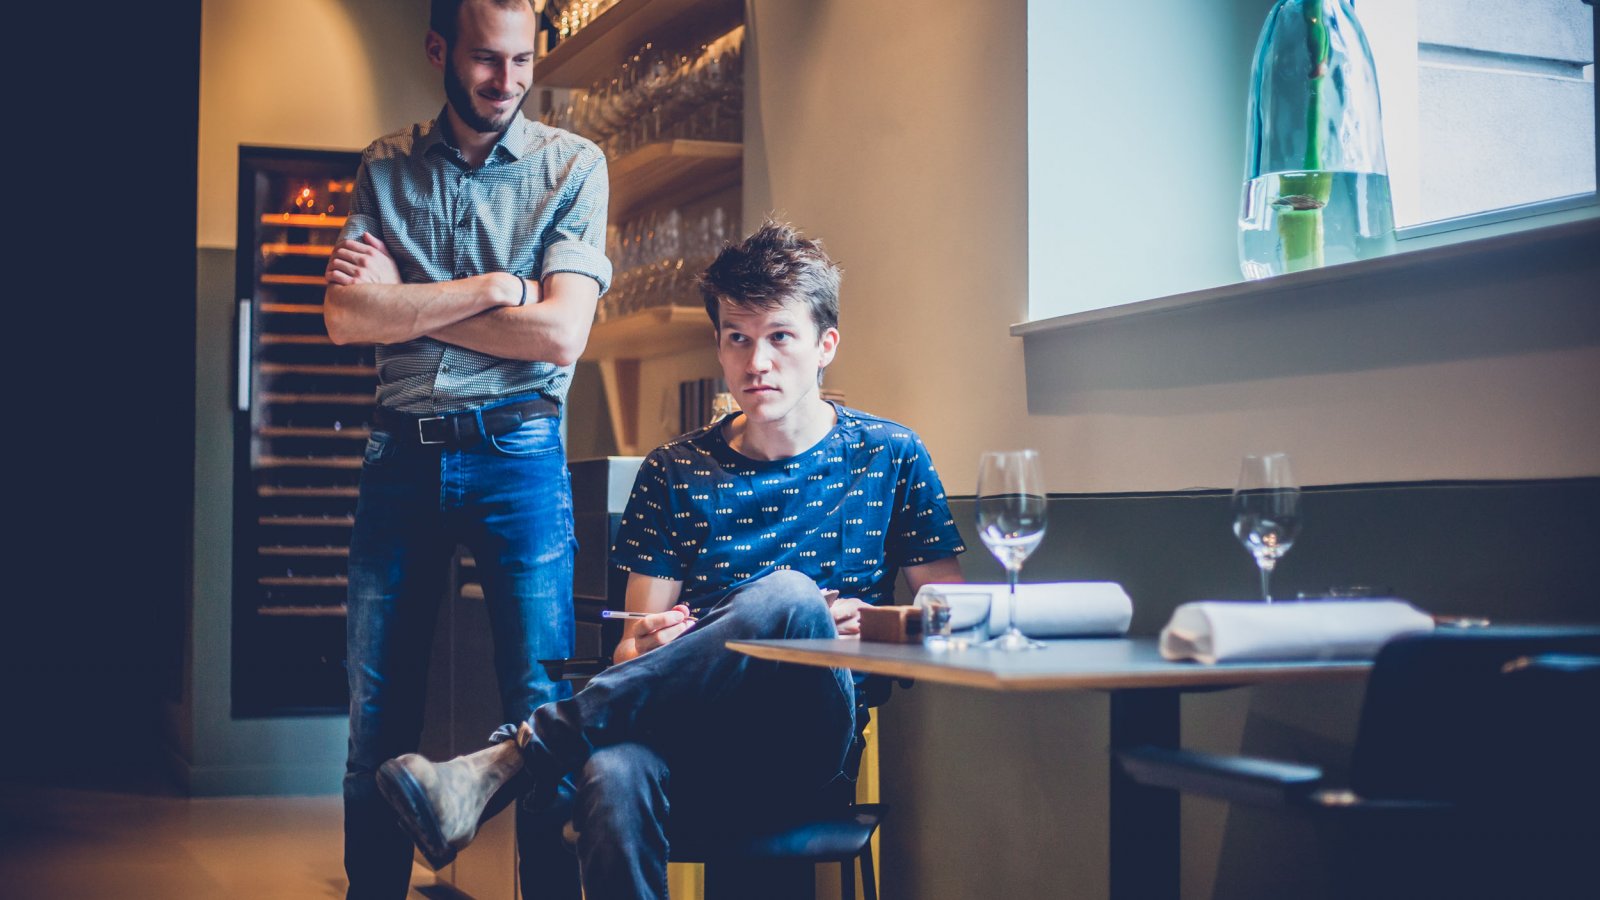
(738, 857)
(1475, 772)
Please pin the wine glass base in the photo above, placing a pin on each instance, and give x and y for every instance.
(1012, 640)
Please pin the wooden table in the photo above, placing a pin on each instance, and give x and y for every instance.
(1144, 692)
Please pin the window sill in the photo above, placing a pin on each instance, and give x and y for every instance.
(1400, 261)
(1494, 217)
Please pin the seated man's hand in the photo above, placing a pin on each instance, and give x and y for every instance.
(366, 261)
(847, 614)
(661, 628)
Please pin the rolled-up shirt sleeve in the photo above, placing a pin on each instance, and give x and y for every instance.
(576, 239)
(363, 218)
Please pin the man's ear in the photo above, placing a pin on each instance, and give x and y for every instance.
(437, 50)
(830, 346)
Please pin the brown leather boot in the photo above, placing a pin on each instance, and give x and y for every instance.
(441, 804)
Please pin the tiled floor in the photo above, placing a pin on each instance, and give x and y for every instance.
(78, 844)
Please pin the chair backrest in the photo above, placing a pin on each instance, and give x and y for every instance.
(1489, 716)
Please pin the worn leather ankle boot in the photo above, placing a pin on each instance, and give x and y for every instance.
(441, 804)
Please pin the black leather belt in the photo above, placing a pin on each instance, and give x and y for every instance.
(460, 430)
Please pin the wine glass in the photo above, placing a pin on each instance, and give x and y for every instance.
(1011, 518)
(1266, 512)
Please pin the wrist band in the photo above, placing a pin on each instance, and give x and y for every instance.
(524, 283)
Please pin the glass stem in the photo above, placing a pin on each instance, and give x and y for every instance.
(1011, 620)
(1265, 564)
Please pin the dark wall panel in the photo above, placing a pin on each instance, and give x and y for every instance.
(1512, 551)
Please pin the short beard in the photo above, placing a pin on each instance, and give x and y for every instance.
(460, 99)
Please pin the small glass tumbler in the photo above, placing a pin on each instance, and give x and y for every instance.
(935, 621)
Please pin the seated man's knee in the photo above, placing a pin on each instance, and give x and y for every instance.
(787, 603)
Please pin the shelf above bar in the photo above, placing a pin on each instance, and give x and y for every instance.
(305, 280)
(301, 220)
(671, 173)
(302, 611)
(341, 371)
(618, 345)
(598, 50)
(656, 331)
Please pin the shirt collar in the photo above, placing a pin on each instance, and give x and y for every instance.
(512, 144)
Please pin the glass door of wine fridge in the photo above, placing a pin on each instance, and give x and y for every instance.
(303, 410)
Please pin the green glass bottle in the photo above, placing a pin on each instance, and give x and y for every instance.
(1316, 188)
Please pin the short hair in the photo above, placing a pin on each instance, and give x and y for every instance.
(774, 265)
(444, 16)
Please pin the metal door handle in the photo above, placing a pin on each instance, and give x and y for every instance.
(242, 401)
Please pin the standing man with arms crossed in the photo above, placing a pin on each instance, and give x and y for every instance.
(742, 523)
(473, 257)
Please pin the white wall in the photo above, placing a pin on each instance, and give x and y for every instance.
(898, 135)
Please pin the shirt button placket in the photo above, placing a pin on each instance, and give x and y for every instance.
(463, 201)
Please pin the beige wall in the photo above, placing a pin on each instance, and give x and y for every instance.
(899, 138)
(304, 73)
(898, 135)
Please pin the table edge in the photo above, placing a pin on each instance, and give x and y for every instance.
(1199, 676)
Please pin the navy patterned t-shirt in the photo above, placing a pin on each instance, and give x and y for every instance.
(849, 512)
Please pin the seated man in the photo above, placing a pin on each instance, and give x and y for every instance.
(742, 530)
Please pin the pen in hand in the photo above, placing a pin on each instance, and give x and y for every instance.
(621, 614)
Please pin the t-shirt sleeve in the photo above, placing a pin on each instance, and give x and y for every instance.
(644, 542)
(576, 240)
(921, 529)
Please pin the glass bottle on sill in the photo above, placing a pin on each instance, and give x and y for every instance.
(1316, 182)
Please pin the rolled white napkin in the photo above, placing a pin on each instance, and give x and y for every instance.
(1050, 609)
(1214, 631)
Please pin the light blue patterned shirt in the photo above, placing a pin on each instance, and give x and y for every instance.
(536, 206)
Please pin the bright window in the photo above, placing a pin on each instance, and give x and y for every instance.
(1487, 104)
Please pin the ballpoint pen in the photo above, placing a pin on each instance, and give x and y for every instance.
(624, 614)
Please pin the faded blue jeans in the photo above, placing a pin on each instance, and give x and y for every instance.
(509, 500)
(695, 740)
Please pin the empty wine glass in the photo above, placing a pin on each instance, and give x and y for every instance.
(1011, 519)
(1266, 512)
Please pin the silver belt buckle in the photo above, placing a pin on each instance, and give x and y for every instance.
(422, 435)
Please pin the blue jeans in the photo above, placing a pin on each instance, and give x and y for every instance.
(693, 738)
(509, 500)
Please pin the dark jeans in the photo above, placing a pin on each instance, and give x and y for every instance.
(693, 737)
(510, 502)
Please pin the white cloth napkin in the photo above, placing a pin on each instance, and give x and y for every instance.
(1214, 631)
(1051, 609)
